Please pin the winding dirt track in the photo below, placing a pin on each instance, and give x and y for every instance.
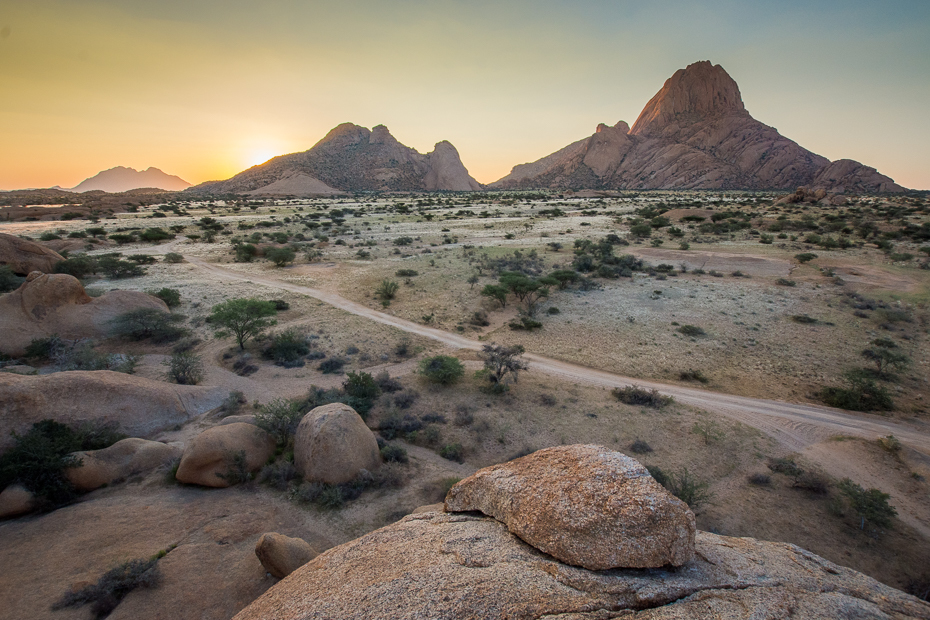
(794, 425)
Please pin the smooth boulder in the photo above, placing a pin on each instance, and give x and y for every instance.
(584, 505)
(24, 256)
(16, 500)
(125, 458)
(449, 566)
(333, 445)
(209, 459)
(281, 555)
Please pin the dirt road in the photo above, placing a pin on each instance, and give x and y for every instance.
(794, 425)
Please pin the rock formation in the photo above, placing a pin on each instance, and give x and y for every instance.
(333, 445)
(352, 158)
(16, 500)
(210, 457)
(584, 505)
(123, 179)
(139, 406)
(695, 133)
(24, 257)
(281, 555)
(128, 457)
(49, 304)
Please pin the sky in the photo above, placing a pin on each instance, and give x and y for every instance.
(206, 88)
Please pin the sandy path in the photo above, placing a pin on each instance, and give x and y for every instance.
(794, 425)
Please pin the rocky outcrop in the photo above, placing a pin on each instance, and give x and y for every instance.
(438, 565)
(695, 133)
(16, 500)
(352, 158)
(125, 458)
(24, 257)
(583, 505)
(49, 304)
(123, 179)
(214, 457)
(281, 555)
(138, 406)
(333, 445)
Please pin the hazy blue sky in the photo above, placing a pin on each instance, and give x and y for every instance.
(205, 89)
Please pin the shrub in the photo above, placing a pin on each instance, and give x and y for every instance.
(45, 348)
(280, 305)
(692, 330)
(395, 425)
(692, 375)
(635, 395)
(785, 466)
(658, 474)
(115, 268)
(452, 452)
(683, 485)
(803, 319)
(501, 361)
(278, 474)
(185, 368)
(709, 431)
(387, 290)
(387, 383)
(442, 369)
(171, 296)
(173, 257)
(362, 390)
(9, 281)
(113, 586)
(860, 394)
(805, 257)
(406, 398)
(279, 418)
(80, 355)
(394, 454)
(79, 266)
(244, 252)
(406, 273)
(280, 256)
(245, 318)
(146, 323)
(760, 479)
(332, 366)
(155, 234)
(640, 447)
(870, 505)
(785, 282)
(525, 323)
(287, 348)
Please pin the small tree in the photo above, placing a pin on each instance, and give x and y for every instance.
(280, 256)
(500, 361)
(496, 292)
(387, 290)
(171, 296)
(245, 318)
(279, 418)
(871, 505)
(442, 369)
(153, 323)
(185, 368)
(884, 355)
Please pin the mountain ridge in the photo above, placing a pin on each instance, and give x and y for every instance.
(122, 179)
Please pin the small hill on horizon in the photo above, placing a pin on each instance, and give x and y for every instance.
(122, 179)
(352, 158)
(695, 133)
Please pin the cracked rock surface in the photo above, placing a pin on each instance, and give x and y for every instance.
(441, 565)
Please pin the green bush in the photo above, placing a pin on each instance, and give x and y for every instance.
(387, 290)
(79, 266)
(394, 454)
(871, 506)
(442, 369)
(173, 257)
(9, 281)
(692, 375)
(785, 282)
(280, 256)
(635, 395)
(406, 273)
(185, 368)
(361, 390)
(332, 366)
(153, 235)
(683, 485)
(113, 586)
(45, 348)
(287, 348)
(805, 257)
(453, 452)
(244, 318)
(860, 394)
(144, 323)
(692, 330)
(113, 267)
(171, 296)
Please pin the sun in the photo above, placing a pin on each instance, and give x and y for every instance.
(261, 155)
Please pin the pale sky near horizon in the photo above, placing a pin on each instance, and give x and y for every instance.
(206, 88)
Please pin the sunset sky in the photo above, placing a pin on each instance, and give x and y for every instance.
(203, 89)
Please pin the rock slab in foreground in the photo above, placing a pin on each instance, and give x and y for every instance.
(451, 566)
(584, 505)
(332, 445)
(281, 555)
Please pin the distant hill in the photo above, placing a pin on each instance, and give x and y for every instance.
(695, 133)
(352, 158)
(121, 179)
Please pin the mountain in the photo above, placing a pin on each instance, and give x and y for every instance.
(121, 179)
(695, 133)
(351, 158)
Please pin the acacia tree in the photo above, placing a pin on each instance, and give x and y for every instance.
(244, 318)
(500, 361)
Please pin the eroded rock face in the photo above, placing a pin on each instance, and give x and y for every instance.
(584, 505)
(139, 406)
(438, 565)
(125, 458)
(209, 458)
(281, 555)
(25, 256)
(333, 445)
(56, 303)
(16, 500)
(695, 133)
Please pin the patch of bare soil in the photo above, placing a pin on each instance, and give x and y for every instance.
(757, 266)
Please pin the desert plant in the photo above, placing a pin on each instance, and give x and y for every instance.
(805, 257)
(692, 375)
(394, 454)
(452, 452)
(332, 366)
(683, 485)
(861, 393)
(501, 361)
(709, 431)
(144, 323)
(691, 330)
(760, 479)
(79, 266)
(442, 369)
(280, 256)
(785, 282)
(245, 318)
(361, 390)
(635, 395)
(871, 506)
(287, 348)
(640, 447)
(387, 290)
(280, 418)
(9, 281)
(171, 296)
(884, 354)
(113, 267)
(184, 368)
(173, 257)
(406, 273)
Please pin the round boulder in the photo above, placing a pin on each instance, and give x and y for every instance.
(217, 456)
(281, 555)
(25, 256)
(16, 500)
(123, 459)
(333, 445)
(584, 505)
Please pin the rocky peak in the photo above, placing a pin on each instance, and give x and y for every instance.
(695, 93)
(381, 135)
(345, 134)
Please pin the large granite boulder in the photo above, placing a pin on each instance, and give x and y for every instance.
(137, 405)
(125, 458)
(210, 458)
(24, 256)
(450, 566)
(281, 555)
(333, 445)
(584, 505)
